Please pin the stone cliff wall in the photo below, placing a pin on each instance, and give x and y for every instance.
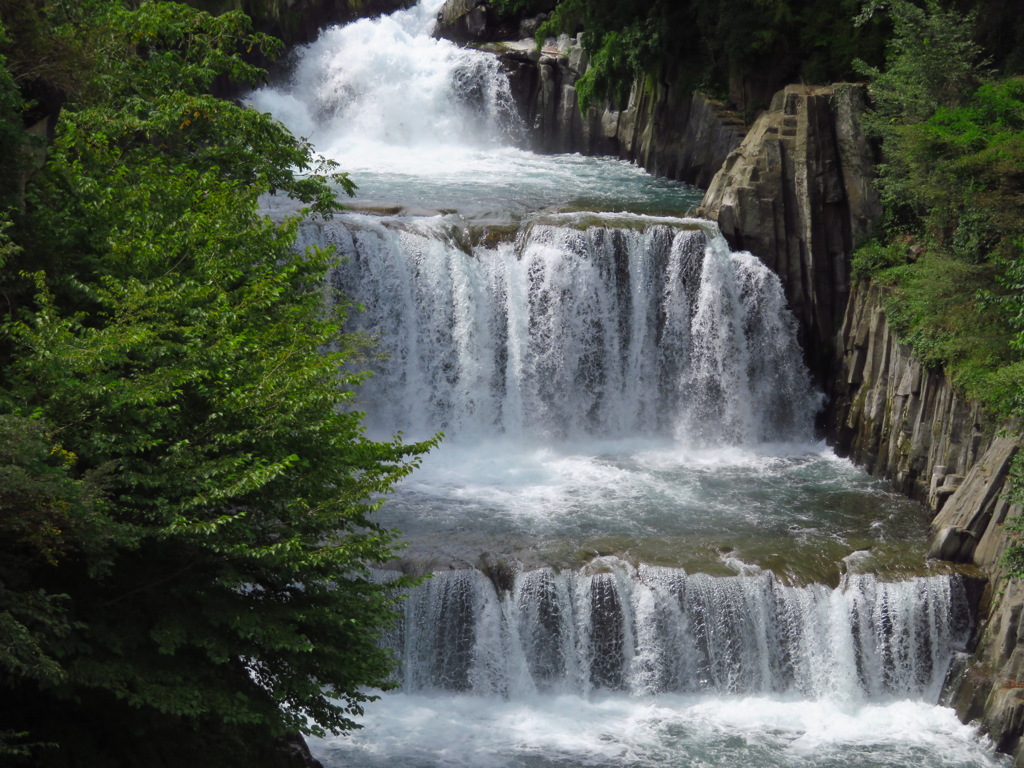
(908, 424)
(679, 135)
(896, 418)
(798, 193)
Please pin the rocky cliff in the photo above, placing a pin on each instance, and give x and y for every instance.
(896, 418)
(670, 132)
(798, 193)
(908, 424)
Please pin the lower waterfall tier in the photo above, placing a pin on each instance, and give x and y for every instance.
(652, 630)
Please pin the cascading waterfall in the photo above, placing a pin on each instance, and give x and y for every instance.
(394, 86)
(651, 630)
(425, 124)
(616, 390)
(628, 326)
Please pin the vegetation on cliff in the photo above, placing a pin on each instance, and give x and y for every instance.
(952, 183)
(718, 46)
(299, 21)
(185, 489)
(743, 51)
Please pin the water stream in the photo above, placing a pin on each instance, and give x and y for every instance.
(642, 557)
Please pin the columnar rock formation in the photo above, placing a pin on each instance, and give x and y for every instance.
(896, 418)
(670, 132)
(798, 193)
(904, 422)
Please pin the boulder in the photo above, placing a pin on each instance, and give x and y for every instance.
(464, 21)
(476, 21)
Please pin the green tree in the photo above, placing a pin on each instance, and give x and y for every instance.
(932, 63)
(191, 531)
(952, 187)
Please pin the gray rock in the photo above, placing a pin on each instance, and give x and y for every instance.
(954, 544)
(470, 21)
(684, 138)
(798, 193)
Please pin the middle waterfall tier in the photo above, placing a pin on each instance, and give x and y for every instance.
(652, 630)
(583, 326)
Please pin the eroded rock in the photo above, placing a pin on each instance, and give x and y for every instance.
(798, 194)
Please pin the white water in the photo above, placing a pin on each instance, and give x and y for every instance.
(421, 123)
(650, 630)
(614, 667)
(672, 731)
(622, 398)
(629, 326)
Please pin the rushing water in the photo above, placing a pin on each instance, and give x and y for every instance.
(425, 125)
(641, 556)
(651, 630)
(624, 326)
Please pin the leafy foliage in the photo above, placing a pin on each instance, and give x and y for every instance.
(932, 64)
(513, 8)
(713, 44)
(953, 188)
(186, 493)
(46, 514)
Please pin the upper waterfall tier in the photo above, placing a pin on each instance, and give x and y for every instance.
(626, 326)
(386, 82)
(422, 123)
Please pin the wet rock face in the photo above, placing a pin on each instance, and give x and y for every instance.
(476, 21)
(895, 417)
(970, 527)
(989, 688)
(543, 85)
(798, 193)
(465, 21)
(908, 424)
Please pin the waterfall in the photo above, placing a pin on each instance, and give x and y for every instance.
(615, 389)
(653, 630)
(630, 325)
(425, 124)
(381, 93)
